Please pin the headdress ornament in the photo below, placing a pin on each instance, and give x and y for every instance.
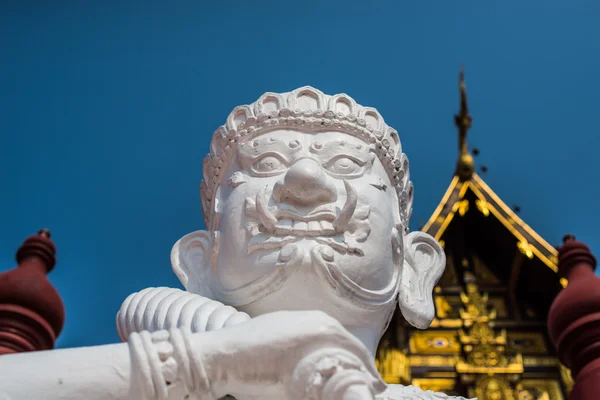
(309, 110)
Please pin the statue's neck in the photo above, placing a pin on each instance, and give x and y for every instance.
(365, 325)
(364, 314)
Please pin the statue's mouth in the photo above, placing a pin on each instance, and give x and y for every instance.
(313, 228)
(288, 221)
(274, 227)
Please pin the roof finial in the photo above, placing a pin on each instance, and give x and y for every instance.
(463, 120)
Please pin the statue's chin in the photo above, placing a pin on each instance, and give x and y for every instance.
(308, 275)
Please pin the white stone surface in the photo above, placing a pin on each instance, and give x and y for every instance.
(283, 355)
(306, 199)
(162, 308)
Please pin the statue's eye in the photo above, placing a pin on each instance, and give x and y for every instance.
(344, 166)
(268, 165)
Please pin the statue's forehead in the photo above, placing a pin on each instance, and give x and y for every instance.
(297, 140)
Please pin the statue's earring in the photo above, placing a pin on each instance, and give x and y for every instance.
(191, 259)
(424, 264)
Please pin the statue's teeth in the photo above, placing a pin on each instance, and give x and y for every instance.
(283, 227)
(299, 227)
(314, 228)
(327, 228)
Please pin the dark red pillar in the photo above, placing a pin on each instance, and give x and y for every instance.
(31, 311)
(574, 319)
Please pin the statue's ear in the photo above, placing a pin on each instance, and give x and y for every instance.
(191, 260)
(424, 264)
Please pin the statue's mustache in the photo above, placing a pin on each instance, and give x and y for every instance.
(265, 215)
(340, 222)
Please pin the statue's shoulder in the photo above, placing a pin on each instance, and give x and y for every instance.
(400, 392)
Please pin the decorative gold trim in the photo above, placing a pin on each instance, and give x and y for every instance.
(434, 342)
(462, 207)
(451, 214)
(435, 384)
(393, 366)
(446, 323)
(550, 389)
(512, 229)
(444, 225)
(480, 182)
(515, 367)
(564, 282)
(525, 248)
(432, 361)
(441, 374)
(482, 206)
(479, 187)
(442, 307)
(565, 375)
(440, 206)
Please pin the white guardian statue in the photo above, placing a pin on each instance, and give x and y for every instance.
(307, 253)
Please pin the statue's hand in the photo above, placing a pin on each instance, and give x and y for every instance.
(162, 308)
(289, 355)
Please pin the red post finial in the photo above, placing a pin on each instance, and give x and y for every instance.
(31, 311)
(574, 318)
(38, 248)
(574, 254)
(45, 233)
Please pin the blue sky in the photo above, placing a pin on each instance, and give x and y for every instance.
(108, 109)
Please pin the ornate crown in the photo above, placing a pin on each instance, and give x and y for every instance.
(310, 110)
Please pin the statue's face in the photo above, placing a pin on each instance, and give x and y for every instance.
(294, 198)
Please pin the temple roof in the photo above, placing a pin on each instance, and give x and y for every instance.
(489, 204)
(472, 221)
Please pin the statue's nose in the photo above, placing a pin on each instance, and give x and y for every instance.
(305, 183)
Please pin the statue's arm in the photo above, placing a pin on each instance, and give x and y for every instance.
(163, 308)
(150, 366)
(284, 355)
(99, 373)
